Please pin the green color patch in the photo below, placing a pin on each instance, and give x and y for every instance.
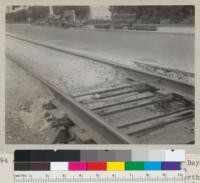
(130, 165)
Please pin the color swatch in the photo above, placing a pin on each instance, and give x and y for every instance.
(152, 165)
(98, 155)
(98, 160)
(55, 166)
(134, 165)
(77, 166)
(97, 166)
(115, 166)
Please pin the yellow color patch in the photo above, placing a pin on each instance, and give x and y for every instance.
(115, 166)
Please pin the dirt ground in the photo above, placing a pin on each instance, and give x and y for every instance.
(25, 116)
(70, 73)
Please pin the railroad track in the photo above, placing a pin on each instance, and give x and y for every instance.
(140, 108)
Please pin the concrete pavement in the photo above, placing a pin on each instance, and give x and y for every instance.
(167, 50)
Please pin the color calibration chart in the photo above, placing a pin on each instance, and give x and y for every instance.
(87, 166)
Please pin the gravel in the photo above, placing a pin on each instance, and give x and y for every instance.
(25, 117)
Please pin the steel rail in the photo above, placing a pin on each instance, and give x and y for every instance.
(184, 88)
(103, 133)
(99, 129)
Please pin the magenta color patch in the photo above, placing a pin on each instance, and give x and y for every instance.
(77, 166)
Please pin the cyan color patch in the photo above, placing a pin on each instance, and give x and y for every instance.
(153, 165)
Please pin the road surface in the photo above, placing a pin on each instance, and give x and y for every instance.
(163, 49)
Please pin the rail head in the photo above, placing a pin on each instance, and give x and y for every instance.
(79, 115)
(82, 115)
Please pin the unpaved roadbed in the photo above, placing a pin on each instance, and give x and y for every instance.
(25, 116)
(68, 72)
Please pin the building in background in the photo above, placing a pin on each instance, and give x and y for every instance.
(12, 9)
(183, 15)
(99, 12)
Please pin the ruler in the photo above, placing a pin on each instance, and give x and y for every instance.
(99, 177)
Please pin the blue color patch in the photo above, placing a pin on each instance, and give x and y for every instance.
(152, 165)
